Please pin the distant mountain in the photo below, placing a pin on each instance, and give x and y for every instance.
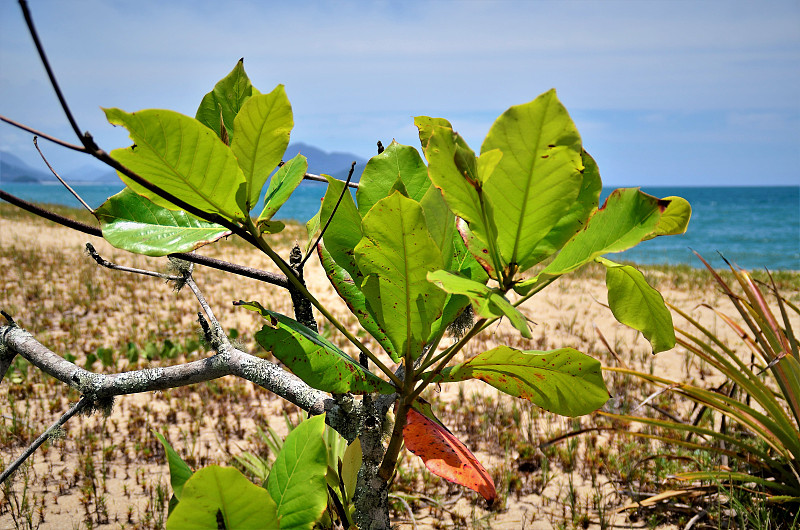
(336, 164)
(12, 169)
(92, 174)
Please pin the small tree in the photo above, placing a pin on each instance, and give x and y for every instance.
(456, 243)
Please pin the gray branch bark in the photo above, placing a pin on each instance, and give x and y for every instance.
(227, 361)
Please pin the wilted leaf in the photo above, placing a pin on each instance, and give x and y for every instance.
(444, 455)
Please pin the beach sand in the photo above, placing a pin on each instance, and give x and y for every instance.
(112, 470)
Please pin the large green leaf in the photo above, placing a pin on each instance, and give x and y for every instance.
(627, 217)
(282, 184)
(564, 381)
(636, 304)
(487, 302)
(179, 471)
(382, 171)
(184, 158)
(538, 178)
(441, 222)
(297, 479)
(395, 256)
(223, 103)
(312, 358)
(577, 215)
(221, 497)
(133, 223)
(460, 192)
(262, 126)
(355, 300)
(344, 230)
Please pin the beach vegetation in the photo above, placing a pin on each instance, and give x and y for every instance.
(747, 421)
(435, 249)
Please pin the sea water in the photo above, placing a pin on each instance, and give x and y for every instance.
(754, 227)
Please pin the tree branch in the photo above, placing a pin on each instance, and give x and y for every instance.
(77, 407)
(40, 134)
(228, 361)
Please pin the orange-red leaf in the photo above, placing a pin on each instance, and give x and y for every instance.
(444, 455)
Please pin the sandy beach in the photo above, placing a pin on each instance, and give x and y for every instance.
(111, 472)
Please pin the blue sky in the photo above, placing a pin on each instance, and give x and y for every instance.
(677, 92)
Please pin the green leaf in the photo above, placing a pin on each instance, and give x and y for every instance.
(576, 217)
(487, 302)
(564, 381)
(382, 171)
(215, 495)
(179, 471)
(263, 126)
(675, 219)
(344, 230)
(395, 256)
(312, 358)
(355, 300)
(182, 157)
(627, 217)
(460, 193)
(133, 223)
(538, 178)
(297, 479)
(441, 222)
(351, 463)
(636, 304)
(425, 124)
(282, 184)
(228, 96)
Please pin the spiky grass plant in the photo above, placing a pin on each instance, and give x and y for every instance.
(756, 411)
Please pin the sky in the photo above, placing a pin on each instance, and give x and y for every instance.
(664, 93)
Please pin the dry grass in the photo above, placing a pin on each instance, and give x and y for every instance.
(111, 472)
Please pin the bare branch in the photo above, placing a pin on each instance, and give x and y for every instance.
(330, 218)
(228, 361)
(113, 266)
(40, 134)
(320, 178)
(53, 171)
(77, 407)
(86, 139)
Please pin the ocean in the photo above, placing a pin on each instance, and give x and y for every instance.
(754, 227)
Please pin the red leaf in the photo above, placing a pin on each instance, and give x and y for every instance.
(444, 455)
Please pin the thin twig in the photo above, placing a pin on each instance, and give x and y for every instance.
(40, 134)
(320, 178)
(86, 139)
(330, 218)
(206, 309)
(77, 407)
(53, 171)
(113, 266)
